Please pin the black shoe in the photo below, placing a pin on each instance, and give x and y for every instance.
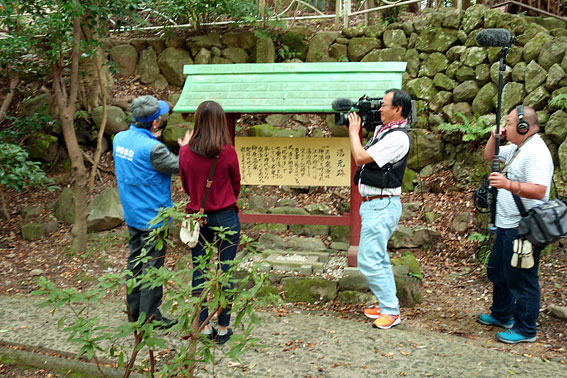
(211, 336)
(165, 323)
(221, 339)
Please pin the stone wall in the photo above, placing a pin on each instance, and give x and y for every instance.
(447, 72)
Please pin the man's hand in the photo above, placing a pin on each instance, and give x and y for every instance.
(498, 180)
(186, 138)
(354, 123)
(156, 132)
(502, 133)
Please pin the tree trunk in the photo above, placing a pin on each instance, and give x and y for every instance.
(100, 131)
(369, 17)
(101, 83)
(92, 81)
(14, 80)
(66, 105)
(413, 8)
(3, 202)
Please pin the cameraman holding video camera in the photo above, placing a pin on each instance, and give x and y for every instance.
(382, 163)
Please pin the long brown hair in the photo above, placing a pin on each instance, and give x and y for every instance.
(210, 133)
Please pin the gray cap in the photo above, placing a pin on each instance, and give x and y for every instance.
(148, 108)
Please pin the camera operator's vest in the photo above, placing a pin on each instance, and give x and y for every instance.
(390, 175)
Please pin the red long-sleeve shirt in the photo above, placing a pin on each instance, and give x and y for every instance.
(194, 170)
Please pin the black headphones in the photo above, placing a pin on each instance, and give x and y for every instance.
(523, 126)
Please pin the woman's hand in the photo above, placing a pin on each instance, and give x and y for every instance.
(186, 138)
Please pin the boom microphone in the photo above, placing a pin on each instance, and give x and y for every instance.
(342, 105)
(494, 38)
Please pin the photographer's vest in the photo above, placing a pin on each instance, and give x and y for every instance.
(390, 175)
(142, 189)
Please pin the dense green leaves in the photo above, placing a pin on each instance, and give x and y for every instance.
(17, 171)
(198, 12)
(24, 127)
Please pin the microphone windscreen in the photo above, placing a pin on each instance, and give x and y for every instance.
(342, 105)
(493, 38)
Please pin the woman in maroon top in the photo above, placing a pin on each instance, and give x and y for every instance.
(211, 138)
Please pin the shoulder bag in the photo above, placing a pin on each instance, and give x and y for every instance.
(190, 227)
(545, 223)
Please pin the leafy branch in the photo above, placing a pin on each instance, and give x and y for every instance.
(470, 131)
(559, 101)
(94, 335)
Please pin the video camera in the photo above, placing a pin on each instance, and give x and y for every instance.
(368, 109)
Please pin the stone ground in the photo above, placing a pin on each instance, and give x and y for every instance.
(304, 344)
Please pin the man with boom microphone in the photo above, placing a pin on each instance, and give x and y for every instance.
(382, 165)
(527, 175)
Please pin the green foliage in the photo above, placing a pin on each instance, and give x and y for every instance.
(484, 246)
(559, 101)
(416, 276)
(475, 236)
(267, 33)
(21, 128)
(42, 29)
(199, 12)
(92, 333)
(470, 131)
(17, 171)
(285, 53)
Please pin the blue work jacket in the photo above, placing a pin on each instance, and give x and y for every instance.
(143, 190)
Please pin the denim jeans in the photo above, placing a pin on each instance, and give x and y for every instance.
(379, 220)
(516, 291)
(223, 218)
(147, 299)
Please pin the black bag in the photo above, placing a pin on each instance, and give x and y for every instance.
(543, 224)
(482, 196)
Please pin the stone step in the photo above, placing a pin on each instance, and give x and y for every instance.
(303, 262)
(322, 256)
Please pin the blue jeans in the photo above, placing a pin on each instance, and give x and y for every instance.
(516, 291)
(379, 220)
(228, 219)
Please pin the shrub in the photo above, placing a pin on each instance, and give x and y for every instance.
(18, 172)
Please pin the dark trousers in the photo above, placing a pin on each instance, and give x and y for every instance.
(227, 249)
(144, 300)
(516, 292)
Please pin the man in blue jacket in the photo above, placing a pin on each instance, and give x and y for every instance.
(143, 171)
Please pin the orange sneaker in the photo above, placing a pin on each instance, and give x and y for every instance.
(386, 321)
(373, 312)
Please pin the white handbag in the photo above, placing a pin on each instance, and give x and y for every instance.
(190, 227)
(523, 256)
(189, 233)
